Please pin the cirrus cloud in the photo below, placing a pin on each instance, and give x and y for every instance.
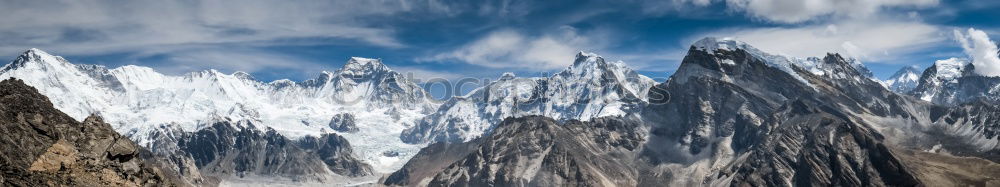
(866, 40)
(795, 11)
(507, 48)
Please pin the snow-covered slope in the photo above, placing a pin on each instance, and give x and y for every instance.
(954, 82)
(785, 63)
(590, 88)
(936, 81)
(903, 80)
(137, 99)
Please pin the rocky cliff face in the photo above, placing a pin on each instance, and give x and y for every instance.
(969, 129)
(535, 151)
(814, 145)
(42, 146)
(336, 154)
(344, 122)
(953, 82)
(240, 150)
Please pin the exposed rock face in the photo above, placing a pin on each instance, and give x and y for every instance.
(336, 153)
(42, 146)
(229, 150)
(534, 151)
(971, 129)
(953, 82)
(343, 122)
(242, 150)
(760, 125)
(817, 146)
(420, 169)
(707, 100)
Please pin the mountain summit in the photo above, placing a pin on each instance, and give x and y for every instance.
(904, 80)
(591, 87)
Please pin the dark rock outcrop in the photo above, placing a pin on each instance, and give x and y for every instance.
(814, 145)
(344, 122)
(242, 150)
(336, 153)
(430, 161)
(533, 151)
(42, 146)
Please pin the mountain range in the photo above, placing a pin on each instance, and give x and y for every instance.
(731, 115)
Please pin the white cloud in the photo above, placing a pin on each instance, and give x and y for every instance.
(791, 11)
(231, 60)
(866, 40)
(795, 11)
(512, 49)
(423, 75)
(981, 49)
(99, 27)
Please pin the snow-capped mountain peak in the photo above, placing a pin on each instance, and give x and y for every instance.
(904, 80)
(585, 63)
(585, 56)
(949, 69)
(358, 66)
(243, 75)
(711, 44)
(589, 88)
(937, 82)
(814, 65)
(41, 58)
(507, 76)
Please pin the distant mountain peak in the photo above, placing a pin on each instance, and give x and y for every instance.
(906, 71)
(711, 44)
(508, 76)
(950, 68)
(593, 64)
(904, 80)
(35, 52)
(359, 65)
(243, 75)
(587, 58)
(584, 54)
(589, 88)
(35, 55)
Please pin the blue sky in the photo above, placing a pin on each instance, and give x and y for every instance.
(455, 39)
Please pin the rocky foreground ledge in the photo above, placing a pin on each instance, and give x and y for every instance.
(41, 146)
